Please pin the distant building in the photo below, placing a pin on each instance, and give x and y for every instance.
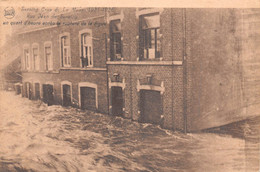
(180, 68)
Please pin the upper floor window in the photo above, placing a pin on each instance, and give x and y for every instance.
(35, 57)
(48, 56)
(115, 40)
(86, 50)
(150, 43)
(26, 56)
(65, 51)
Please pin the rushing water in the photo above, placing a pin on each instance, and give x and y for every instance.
(36, 137)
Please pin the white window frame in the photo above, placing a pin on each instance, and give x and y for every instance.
(36, 63)
(50, 64)
(86, 31)
(26, 57)
(66, 83)
(62, 58)
(91, 85)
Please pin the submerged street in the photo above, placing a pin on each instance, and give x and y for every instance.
(37, 137)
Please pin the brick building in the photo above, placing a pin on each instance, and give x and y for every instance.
(179, 68)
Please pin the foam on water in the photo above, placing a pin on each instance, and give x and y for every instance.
(36, 137)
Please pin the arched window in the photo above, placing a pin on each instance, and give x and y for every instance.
(65, 50)
(35, 57)
(86, 48)
(115, 40)
(48, 56)
(26, 57)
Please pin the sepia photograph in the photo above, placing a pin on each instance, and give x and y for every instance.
(129, 88)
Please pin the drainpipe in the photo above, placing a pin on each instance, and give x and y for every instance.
(173, 119)
(108, 93)
(184, 72)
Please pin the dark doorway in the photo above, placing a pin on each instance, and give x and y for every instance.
(48, 94)
(37, 91)
(66, 95)
(17, 89)
(150, 106)
(117, 101)
(29, 90)
(88, 98)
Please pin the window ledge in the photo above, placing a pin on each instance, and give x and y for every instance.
(163, 63)
(85, 69)
(31, 71)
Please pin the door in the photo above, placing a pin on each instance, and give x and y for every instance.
(18, 89)
(37, 91)
(117, 101)
(29, 90)
(48, 94)
(66, 95)
(150, 106)
(88, 98)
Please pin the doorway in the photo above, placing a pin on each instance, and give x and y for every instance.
(66, 95)
(37, 91)
(88, 98)
(150, 106)
(48, 94)
(117, 101)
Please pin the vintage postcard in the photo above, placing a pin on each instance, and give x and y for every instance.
(130, 86)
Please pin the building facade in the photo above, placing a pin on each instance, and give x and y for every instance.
(178, 68)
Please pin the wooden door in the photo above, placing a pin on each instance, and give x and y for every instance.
(117, 101)
(88, 98)
(150, 106)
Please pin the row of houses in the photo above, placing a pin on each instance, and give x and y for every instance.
(179, 68)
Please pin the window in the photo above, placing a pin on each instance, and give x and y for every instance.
(65, 51)
(150, 43)
(26, 58)
(48, 56)
(35, 60)
(86, 49)
(115, 40)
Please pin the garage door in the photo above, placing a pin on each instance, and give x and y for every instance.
(88, 98)
(150, 106)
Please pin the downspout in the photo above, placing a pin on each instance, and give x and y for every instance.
(108, 93)
(173, 119)
(184, 72)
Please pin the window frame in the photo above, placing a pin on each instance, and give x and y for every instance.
(143, 34)
(47, 63)
(26, 59)
(36, 63)
(113, 47)
(68, 47)
(81, 46)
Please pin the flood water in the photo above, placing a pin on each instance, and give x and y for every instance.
(41, 138)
